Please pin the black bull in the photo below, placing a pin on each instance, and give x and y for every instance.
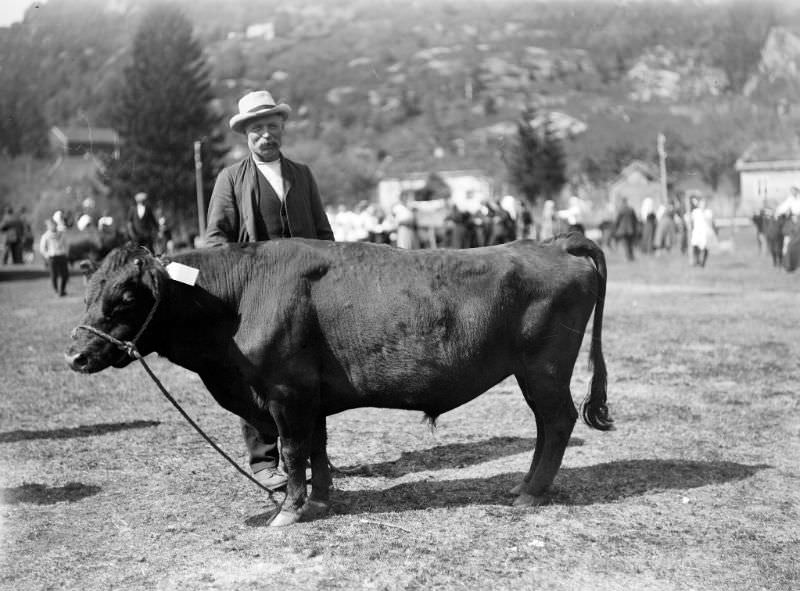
(303, 329)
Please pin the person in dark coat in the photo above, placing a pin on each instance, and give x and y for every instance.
(13, 229)
(625, 227)
(266, 196)
(457, 221)
(142, 225)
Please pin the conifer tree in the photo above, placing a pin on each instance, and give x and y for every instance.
(536, 161)
(23, 128)
(553, 161)
(163, 107)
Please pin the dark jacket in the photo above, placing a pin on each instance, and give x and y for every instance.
(234, 204)
(627, 222)
(142, 229)
(13, 228)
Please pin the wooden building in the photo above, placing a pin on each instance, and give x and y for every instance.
(82, 141)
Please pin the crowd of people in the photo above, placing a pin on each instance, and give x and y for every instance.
(443, 224)
(656, 230)
(68, 236)
(408, 224)
(686, 226)
(778, 229)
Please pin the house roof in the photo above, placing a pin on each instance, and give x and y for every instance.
(644, 168)
(85, 135)
(403, 164)
(444, 174)
(770, 155)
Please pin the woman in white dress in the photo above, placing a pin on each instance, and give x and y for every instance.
(703, 234)
(406, 224)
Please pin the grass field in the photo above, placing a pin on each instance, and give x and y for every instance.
(105, 486)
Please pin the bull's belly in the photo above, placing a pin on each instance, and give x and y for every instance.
(423, 389)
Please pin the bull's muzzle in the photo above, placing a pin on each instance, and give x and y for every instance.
(77, 361)
(88, 354)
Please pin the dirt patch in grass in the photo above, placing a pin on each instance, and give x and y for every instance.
(104, 486)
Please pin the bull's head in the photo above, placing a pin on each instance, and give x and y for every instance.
(120, 296)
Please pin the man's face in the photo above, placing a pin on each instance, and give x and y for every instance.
(264, 137)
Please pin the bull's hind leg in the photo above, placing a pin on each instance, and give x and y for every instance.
(540, 435)
(545, 386)
(318, 502)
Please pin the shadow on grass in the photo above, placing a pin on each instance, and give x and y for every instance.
(452, 455)
(72, 432)
(589, 485)
(40, 494)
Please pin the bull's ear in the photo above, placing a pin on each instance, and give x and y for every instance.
(88, 267)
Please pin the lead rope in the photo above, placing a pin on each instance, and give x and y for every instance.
(129, 347)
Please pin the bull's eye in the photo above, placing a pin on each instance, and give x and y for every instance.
(128, 297)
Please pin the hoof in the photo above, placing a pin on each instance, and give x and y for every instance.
(526, 500)
(314, 510)
(284, 518)
(516, 490)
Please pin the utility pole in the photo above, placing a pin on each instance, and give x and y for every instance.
(198, 176)
(662, 164)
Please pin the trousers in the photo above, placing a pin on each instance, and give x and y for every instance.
(262, 449)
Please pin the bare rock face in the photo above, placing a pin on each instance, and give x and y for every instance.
(779, 69)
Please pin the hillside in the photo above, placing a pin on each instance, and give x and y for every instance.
(439, 83)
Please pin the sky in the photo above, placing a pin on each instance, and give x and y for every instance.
(12, 11)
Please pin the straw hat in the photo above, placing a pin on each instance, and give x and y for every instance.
(254, 105)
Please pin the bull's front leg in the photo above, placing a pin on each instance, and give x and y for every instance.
(296, 417)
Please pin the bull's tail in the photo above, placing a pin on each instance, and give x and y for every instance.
(594, 409)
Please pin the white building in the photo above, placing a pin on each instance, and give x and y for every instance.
(265, 31)
(469, 189)
(766, 171)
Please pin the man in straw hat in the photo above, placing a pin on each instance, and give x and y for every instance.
(263, 197)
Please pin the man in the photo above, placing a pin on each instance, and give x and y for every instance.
(790, 209)
(790, 206)
(13, 229)
(53, 247)
(142, 224)
(266, 196)
(626, 226)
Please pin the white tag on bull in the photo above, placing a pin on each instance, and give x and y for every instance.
(183, 273)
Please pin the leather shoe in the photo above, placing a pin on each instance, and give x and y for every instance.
(272, 478)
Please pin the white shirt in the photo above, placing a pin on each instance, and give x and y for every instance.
(52, 244)
(790, 206)
(272, 172)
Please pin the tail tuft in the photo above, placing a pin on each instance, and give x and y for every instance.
(594, 409)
